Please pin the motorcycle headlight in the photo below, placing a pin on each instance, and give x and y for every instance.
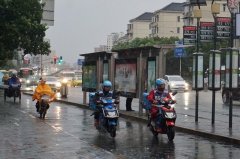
(172, 84)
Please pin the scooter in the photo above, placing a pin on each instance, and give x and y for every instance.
(165, 119)
(108, 117)
(44, 105)
(14, 90)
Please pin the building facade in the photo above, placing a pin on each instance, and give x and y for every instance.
(207, 16)
(113, 39)
(139, 26)
(168, 21)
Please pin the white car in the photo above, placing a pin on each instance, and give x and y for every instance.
(176, 83)
(54, 83)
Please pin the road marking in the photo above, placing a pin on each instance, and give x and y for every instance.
(31, 116)
(16, 119)
(16, 124)
(24, 112)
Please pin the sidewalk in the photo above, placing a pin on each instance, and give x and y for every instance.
(184, 123)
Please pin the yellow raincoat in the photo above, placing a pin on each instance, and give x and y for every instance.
(41, 90)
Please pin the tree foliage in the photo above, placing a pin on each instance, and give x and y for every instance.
(141, 42)
(21, 28)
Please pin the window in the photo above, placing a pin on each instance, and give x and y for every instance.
(224, 7)
(178, 18)
(178, 30)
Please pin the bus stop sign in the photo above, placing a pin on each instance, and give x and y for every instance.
(179, 52)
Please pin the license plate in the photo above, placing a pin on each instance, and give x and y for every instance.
(170, 114)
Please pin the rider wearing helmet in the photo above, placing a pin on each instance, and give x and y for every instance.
(42, 89)
(156, 95)
(105, 92)
(14, 80)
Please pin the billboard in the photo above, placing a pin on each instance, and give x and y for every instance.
(189, 35)
(223, 27)
(206, 31)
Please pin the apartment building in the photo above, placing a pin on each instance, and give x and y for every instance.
(112, 39)
(101, 48)
(168, 21)
(139, 26)
(207, 16)
(48, 12)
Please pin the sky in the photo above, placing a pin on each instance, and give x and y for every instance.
(82, 25)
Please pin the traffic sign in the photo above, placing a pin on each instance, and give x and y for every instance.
(179, 52)
(80, 61)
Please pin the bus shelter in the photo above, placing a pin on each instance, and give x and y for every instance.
(97, 67)
(136, 70)
(132, 71)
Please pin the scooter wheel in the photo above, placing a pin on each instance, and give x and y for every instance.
(113, 131)
(170, 133)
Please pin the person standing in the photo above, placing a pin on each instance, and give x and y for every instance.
(129, 104)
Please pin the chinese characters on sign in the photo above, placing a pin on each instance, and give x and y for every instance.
(223, 27)
(206, 31)
(189, 35)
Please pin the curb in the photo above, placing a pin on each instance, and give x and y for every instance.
(144, 120)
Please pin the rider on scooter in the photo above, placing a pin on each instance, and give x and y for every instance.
(105, 93)
(41, 89)
(12, 81)
(155, 96)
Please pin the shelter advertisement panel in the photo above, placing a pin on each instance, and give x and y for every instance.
(216, 72)
(238, 24)
(89, 71)
(105, 71)
(125, 77)
(234, 59)
(151, 74)
(199, 72)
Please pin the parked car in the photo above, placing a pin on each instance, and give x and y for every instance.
(176, 83)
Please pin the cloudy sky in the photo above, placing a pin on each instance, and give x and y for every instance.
(81, 25)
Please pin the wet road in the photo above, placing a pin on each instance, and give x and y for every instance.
(68, 132)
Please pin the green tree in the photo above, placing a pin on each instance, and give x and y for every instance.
(21, 28)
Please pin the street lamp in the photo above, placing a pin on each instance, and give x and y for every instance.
(197, 64)
(214, 62)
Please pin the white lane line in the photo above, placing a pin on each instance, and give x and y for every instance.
(16, 119)
(31, 116)
(24, 112)
(16, 124)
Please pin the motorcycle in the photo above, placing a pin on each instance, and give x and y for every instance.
(13, 91)
(108, 117)
(165, 118)
(43, 105)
